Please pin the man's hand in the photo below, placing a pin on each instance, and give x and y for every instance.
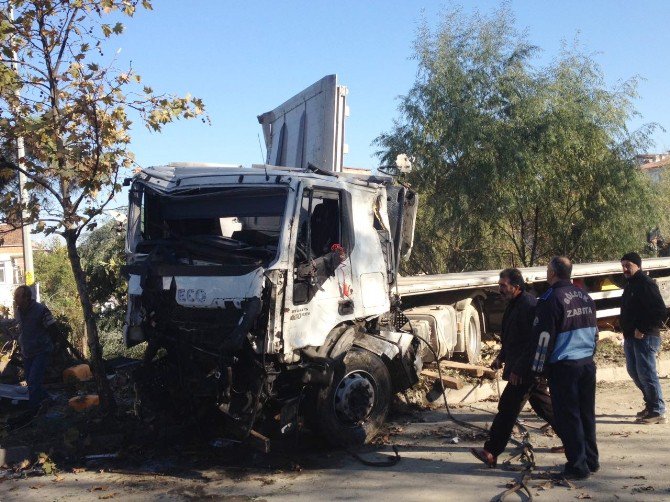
(638, 334)
(515, 379)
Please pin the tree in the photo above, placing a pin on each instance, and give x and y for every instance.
(57, 287)
(515, 162)
(103, 253)
(74, 111)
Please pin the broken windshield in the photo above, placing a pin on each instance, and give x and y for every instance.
(228, 225)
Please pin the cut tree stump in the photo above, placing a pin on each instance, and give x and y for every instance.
(448, 381)
(471, 369)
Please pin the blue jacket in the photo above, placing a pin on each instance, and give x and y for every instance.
(565, 327)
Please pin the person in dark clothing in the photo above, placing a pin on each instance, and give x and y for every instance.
(642, 314)
(565, 332)
(516, 338)
(37, 325)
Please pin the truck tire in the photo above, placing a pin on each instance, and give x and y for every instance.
(353, 407)
(472, 334)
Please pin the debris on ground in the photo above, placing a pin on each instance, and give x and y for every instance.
(78, 373)
(83, 402)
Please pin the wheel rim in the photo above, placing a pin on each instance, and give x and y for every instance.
(354, 397)
(472, 337)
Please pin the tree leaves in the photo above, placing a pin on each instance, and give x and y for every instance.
(515, 162)
(73, 111)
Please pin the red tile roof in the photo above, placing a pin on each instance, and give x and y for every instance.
(655, 165)
(10, 237)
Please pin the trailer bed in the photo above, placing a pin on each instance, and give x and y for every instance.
(422, 284)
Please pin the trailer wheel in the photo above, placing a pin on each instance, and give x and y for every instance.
(352, 409)
(472, 334)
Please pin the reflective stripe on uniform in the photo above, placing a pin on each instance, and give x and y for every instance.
(541, 352)
(574, 344)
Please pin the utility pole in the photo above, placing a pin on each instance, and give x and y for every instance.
(28, 269)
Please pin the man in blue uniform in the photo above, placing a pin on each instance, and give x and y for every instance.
(565, 330)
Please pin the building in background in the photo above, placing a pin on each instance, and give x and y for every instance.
(653, 164)
(11, 263)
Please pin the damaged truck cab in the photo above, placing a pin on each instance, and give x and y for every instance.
(270, 290)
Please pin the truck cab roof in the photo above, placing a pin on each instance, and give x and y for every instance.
(180, 175)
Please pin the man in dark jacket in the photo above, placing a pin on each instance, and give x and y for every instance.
(642, 314)
(516, 338)
(565, 332)
(36, 324)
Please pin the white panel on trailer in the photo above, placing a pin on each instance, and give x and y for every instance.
(308, 128)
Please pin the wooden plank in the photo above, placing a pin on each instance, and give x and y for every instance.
(259, 441)
(471, 369)
(448, 381)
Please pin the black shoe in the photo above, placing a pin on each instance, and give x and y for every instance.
(652, 418)
(594, 468)
(643, 413)
(485, 456)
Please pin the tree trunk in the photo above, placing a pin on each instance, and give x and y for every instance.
(107, 402)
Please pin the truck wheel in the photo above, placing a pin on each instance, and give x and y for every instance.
(351, 410)
(472, 334)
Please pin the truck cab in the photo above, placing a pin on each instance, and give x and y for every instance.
(269, 286)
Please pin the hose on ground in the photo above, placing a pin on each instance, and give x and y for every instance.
(524, 444)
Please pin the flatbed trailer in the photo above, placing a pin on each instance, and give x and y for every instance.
(463, 282)
(472, 300)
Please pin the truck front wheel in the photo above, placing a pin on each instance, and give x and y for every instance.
(472, 334)
(352, 409)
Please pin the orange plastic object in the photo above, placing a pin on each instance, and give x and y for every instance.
(81, 403)
(81, 373)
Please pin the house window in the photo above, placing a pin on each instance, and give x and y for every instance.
(2, 273)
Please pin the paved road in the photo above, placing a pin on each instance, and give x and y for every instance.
(634, 461)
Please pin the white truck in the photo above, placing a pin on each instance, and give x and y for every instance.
(274, 290)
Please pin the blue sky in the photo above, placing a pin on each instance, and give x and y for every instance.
(244, 58)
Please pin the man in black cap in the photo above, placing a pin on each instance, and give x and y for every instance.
(642, 314)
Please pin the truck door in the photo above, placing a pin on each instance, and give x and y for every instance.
(321, 295)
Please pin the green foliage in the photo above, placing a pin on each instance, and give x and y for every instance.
(516, 163)
(58, 289)
(661, 187)
(103, 254)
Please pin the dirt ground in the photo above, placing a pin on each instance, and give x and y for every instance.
(434, 465)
